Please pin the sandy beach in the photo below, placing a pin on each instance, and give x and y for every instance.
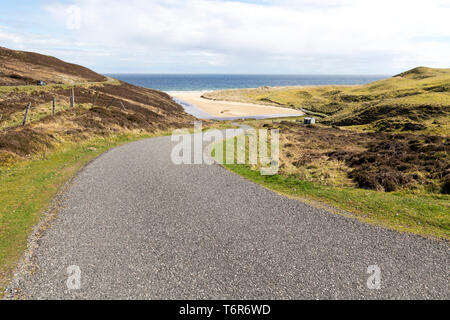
(231, 109)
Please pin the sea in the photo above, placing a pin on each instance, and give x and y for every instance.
(210, 82)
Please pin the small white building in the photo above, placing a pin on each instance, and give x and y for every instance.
(309, 121)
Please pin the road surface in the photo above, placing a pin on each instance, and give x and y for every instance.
(140, 227)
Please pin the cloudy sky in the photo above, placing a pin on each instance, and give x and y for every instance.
(233, 36)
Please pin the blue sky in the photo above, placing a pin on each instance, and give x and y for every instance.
(205, 36)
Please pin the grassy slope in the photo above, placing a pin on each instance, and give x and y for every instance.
(45, 109)
(426, 215)
(419, 96)
(416, 101)
(22, 68)
(419, 213)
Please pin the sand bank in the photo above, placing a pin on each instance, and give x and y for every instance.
(231, 109)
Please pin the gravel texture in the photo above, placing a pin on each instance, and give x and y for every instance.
(140, 227)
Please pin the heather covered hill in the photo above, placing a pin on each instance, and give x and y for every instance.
(25, 68)
(38, 158)
(417, 100)
(103, 106)
(390, 136)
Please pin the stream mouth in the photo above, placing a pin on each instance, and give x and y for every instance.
(200, 114)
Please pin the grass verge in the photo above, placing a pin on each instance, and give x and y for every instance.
(27, 188)
(421, 213)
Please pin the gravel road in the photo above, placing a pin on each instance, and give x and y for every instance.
(140, 227)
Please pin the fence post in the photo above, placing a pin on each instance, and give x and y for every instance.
(95, 100)
(72, 98)
(112, 101)
(26, 113)
(53, 106)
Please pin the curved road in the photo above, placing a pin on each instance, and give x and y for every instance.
(140, 227)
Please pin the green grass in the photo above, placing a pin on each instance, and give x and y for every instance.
(418, 96)
(27, 188)
(37, 113)
(50, 87)
(420, 213)
(427, 215)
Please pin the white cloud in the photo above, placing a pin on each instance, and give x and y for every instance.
(331, 36)
(24, 40)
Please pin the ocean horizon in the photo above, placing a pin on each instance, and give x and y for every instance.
(210, 82)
